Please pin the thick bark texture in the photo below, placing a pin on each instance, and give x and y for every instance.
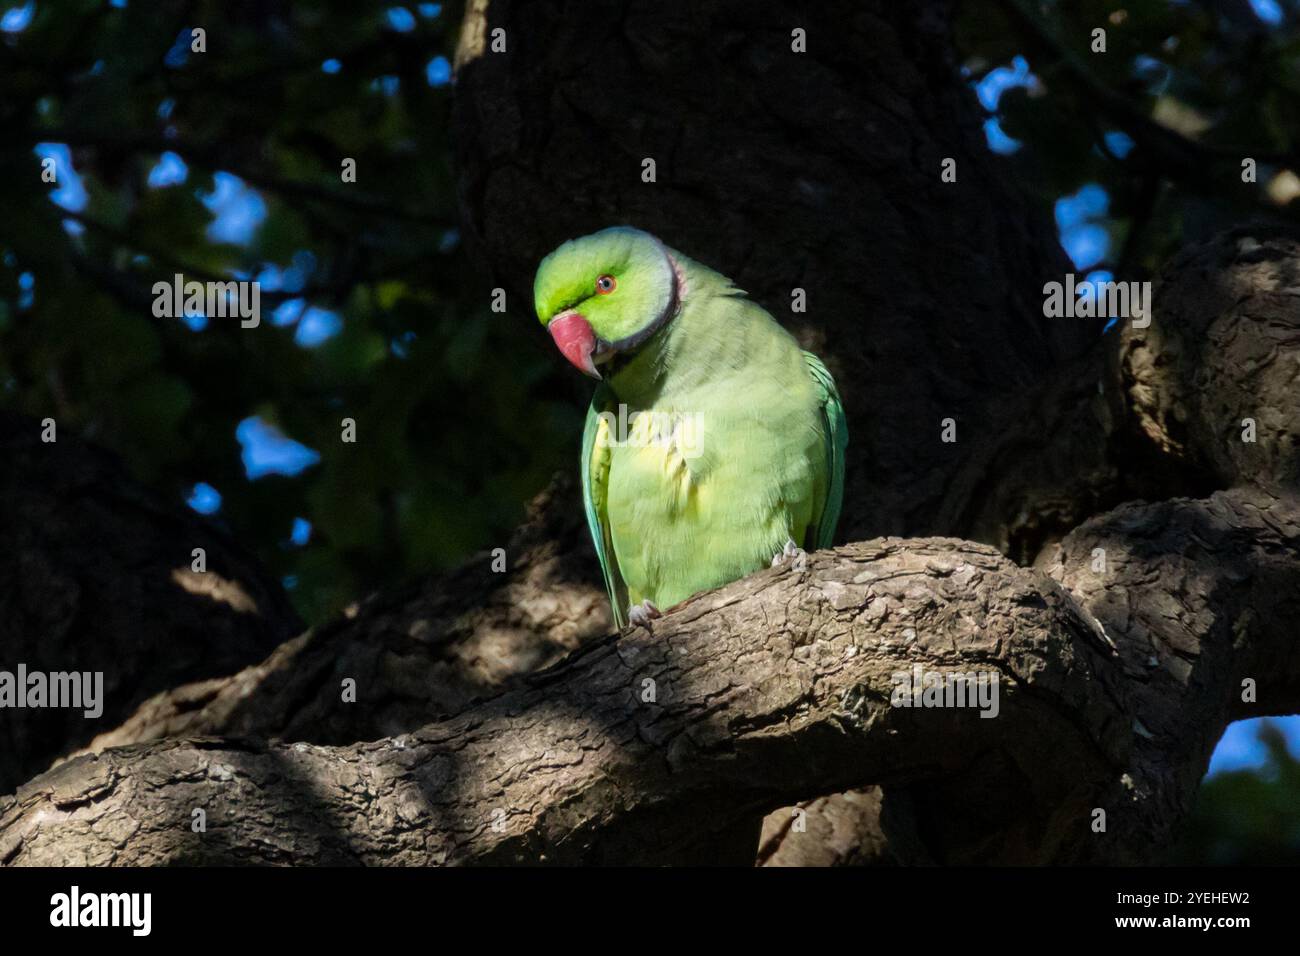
(646, 745)
(1202, 598)
(1223, 358)
(840, 830)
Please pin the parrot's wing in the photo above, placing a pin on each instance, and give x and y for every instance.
(595, 487)
(822, 531)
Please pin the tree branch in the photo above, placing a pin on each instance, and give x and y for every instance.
(773, 689)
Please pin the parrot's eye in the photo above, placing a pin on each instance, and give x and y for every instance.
(606, 284)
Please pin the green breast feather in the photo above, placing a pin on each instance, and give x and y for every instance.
(595, 471)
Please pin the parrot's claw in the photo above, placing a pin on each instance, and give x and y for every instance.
(640, 615)
(795, 555)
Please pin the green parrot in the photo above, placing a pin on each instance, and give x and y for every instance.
(714, 446)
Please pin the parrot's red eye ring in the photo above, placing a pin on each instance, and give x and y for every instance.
(606, 284)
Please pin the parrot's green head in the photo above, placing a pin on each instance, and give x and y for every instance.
(605, 294)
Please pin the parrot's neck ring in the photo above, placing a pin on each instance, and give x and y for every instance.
(670, 310)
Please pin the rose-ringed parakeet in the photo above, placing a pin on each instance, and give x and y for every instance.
(714, 446)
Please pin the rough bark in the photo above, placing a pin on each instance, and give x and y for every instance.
(1206, 595)
(840, 830)
(645, 745)
(1224, 347)
(775, 685)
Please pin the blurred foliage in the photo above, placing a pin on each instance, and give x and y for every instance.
(1247, 816)
(1194, 87)
(461, 413)
(459, 417)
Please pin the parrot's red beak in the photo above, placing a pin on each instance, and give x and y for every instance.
(576, 340)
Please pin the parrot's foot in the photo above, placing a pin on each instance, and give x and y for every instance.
(640, 615)
(792, 553)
